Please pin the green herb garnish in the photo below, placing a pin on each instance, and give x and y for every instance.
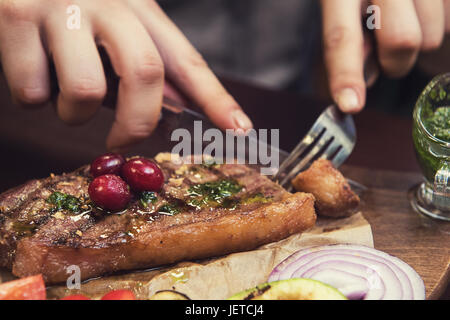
(148, 197)
(61, 201)
(212, 193)
(169, 209)
(230, 203)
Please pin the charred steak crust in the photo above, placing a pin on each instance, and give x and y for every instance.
(24, 210)
(36, 239)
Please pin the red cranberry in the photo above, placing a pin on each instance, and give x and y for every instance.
(110, 163)
(143, 175)
(110, 192)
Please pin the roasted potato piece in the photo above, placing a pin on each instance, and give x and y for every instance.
(334, 197)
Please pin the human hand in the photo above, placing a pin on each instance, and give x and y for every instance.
(144, 47)
(407, 28)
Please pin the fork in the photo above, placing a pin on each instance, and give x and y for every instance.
(332, 137)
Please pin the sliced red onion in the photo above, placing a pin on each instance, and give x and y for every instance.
(377, 288)
(352, 286)
(372, 270)
(359, 272)
(404, 282)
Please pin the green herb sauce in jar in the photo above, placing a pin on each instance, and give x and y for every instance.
(438, 124)
(431, 130)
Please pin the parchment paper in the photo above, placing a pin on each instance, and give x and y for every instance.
(222, 277)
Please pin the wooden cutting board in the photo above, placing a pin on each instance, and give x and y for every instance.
(397, 229)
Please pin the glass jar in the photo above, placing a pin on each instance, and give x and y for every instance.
(431, 137)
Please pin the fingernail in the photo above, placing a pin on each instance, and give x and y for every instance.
(347, 100)
(241, 120)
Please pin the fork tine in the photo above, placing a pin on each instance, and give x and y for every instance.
(337, 156)
(331, 153)
(321, 146)
(331, 137)
(340, 157)
(309, 139)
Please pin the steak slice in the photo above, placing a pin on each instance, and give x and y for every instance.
(202, 211)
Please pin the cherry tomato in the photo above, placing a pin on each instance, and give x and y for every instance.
(110, 192)
(143, 175)
(119, 295)
(30, 288)
(110, 163)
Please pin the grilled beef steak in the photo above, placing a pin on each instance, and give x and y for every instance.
(202, 211)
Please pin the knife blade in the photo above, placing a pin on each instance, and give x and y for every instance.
(257, 147)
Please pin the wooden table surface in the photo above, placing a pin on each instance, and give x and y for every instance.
(35, 143)
(398, 230)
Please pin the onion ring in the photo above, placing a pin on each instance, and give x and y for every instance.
(359, 272)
